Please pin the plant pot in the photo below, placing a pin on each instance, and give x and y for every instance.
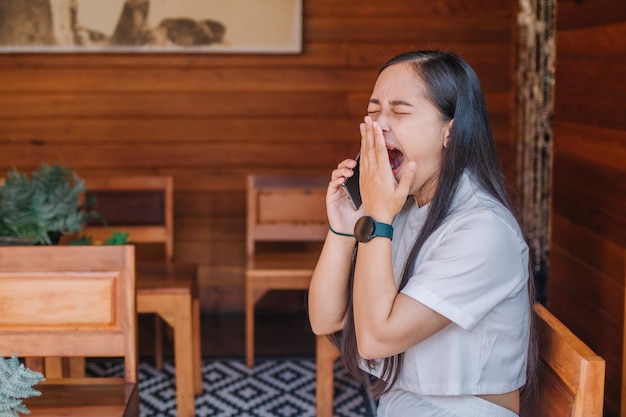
(16, 241)
(55, 237)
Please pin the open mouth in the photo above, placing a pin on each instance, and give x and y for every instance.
(395, 158)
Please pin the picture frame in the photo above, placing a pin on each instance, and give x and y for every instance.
(151, 26)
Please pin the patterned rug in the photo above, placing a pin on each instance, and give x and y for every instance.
(273, 388)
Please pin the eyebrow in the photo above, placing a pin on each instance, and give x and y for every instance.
(392, 102)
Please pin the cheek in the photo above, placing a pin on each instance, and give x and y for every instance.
(425, 156)
(422, 145)
(419, 134)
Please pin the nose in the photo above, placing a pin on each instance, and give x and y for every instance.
(383, 121)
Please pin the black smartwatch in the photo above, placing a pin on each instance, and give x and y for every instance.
(367, 229)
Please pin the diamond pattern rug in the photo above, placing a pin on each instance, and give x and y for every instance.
(272, 388)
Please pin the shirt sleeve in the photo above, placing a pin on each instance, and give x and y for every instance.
(471, 266)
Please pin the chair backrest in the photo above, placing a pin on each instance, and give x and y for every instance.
(285, 209)
(570, 376)
(69, 301)
(143, 206)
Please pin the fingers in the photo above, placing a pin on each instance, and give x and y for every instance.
(373, 146)
(406, 178)
(340, 210)
(343, 171)
(367, 139)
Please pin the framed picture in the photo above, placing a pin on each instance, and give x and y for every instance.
(186, 26)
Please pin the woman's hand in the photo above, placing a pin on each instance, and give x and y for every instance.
(342, 215)
(329, 289)
(383, 196)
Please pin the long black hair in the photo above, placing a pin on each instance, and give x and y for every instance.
(453, 87)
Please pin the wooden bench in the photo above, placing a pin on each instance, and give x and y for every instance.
(571, 376)
(66, 301)
(570, 380)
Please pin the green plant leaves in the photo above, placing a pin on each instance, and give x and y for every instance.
(16, 383)
(47, 203)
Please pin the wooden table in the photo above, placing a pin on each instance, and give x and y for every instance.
(92, 397)
(175, 300)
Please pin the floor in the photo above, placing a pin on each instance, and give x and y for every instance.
(282, 382)
(223, 335)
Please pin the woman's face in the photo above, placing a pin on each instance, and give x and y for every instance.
(413, 128)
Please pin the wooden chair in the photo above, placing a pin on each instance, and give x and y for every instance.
(69, 301)
(571, 375)
(143, 206)
(286, 225)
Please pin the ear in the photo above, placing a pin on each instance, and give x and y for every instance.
(447, 127)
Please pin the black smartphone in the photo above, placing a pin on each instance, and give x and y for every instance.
(352, 186)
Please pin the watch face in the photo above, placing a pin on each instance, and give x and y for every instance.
(363, 229)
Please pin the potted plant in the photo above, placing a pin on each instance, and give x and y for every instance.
(16, 383)
(42, 208)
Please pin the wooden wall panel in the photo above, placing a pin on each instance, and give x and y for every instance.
(436, 9)
(588, 240)
(578, 14)
(210, 119)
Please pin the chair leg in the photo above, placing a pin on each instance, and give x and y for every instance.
(325, 355)
(197, 348)
(158, 342)
(249, 326)
(184, 358)
(177, 311)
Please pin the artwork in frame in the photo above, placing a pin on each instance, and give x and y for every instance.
(186, 26)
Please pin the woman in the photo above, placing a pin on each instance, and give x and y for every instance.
(434, 300)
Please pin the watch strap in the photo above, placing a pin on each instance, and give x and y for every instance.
(382, 230)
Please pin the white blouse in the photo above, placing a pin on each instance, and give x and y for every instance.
(473, 270)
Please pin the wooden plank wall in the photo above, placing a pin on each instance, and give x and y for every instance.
(586, 279)
(211, 119)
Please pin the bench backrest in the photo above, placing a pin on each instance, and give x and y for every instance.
(69, 301)
(570, 377)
